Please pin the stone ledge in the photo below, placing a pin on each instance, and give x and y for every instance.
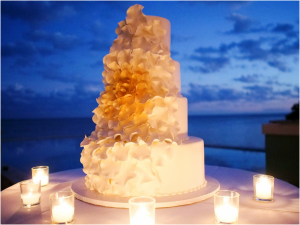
(282, 127)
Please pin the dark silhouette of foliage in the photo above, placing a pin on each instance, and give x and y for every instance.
(295, 114)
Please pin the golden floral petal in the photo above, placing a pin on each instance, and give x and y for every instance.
(113, 66)
(124, 56)
(126, 66)
(126, 111)
(126, 99)
(120, 25)
(109, 58)
(140, 119)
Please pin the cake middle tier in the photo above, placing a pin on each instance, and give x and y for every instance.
(182, 117)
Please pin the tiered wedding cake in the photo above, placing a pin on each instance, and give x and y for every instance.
(140, 144)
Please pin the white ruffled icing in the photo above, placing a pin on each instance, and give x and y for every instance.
(135, 123)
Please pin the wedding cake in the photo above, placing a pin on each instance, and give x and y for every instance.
(140, 146)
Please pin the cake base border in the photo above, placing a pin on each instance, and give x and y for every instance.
(82, 193)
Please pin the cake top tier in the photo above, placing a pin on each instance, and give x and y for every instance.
(166, 25)
(151, 33)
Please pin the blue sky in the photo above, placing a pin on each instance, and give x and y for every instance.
(236, 57)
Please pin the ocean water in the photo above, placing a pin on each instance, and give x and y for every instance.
(238, 131)
(56, 142)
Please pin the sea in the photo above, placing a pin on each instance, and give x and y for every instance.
(234, 141)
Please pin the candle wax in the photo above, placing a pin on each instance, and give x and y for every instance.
(30, 198)
(142, 217)
(263, 189)
(43, 178)
(62, 213)
(226, 213)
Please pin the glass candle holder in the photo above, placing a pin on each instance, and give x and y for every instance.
(30, 193)
(226, 204)
(263, 186)
(142, 211)
(62, 207)
(41, 173)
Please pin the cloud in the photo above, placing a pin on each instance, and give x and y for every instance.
(209, 93)
(20, 102)
(259, 93)
(296, 89)
(274, 81)
(57, 40)
(286, 29)
(100, 45)
(263, 49)
(242, 23)
(248, 78)
(180, 38)
(253, 50)
(208, 50)
(35, 13)
(97, 64)
(53, 71)
(97, 28)
(279, 65)
(256, 93)
(209, 64)
(24, 49)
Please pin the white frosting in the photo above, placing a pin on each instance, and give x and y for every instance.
(141, 118)
(177, 76)
(185, 171)
(166, 25)
(181, 117)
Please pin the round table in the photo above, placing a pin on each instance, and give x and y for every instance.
(283, 210)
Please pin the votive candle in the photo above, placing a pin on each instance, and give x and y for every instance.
(226, 204)
(30, 193)
(62, 207)
(142, 211)
(263, 186)
(41, 173)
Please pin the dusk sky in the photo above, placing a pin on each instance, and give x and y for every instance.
(236, 57)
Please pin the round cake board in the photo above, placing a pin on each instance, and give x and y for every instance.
(93, 197)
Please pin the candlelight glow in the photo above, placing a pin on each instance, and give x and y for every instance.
(62, 207)
(263, 187)
(41, 173)
(142, 211)
(226, 205)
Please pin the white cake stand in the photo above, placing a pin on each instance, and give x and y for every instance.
(93, 197)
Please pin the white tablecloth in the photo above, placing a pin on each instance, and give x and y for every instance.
(284, 209)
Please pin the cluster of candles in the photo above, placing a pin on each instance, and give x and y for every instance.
(141, 209)
(226, 203)
(61, 203)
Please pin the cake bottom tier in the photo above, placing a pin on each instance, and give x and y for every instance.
(134, 170)
(185, 171)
